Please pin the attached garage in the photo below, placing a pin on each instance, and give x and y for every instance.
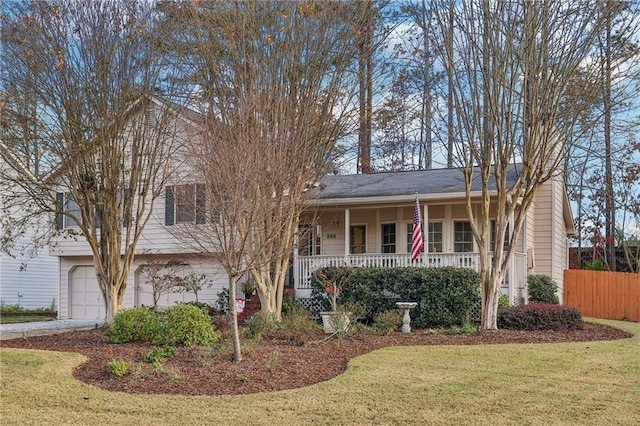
(86, 299)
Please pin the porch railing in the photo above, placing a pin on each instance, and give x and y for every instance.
(306, 265)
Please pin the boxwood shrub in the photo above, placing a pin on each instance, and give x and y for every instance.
(540, 316)
(182, 324)
(133, 325)
(445, 296)
(185, 324)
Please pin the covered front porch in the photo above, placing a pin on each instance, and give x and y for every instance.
(514, 285)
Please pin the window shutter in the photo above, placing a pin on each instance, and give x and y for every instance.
(59, 209)
(201, 203)
(168, 206)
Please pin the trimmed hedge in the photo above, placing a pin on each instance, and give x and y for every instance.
(445, 296)
(540, 316)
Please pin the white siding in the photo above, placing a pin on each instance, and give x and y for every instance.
(29, 282)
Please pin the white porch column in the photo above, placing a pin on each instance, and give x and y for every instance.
(447, 230)
(347, 225)
(296, 267)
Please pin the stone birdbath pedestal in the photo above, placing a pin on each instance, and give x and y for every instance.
(406, 319)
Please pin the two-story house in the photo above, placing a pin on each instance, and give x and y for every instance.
(360, 220)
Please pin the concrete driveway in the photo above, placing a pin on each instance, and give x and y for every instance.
(26, 329)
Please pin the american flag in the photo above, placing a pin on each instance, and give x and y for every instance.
(416, 238)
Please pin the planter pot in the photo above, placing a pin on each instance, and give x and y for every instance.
(332, 321)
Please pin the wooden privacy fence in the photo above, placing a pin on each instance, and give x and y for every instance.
(599, 294)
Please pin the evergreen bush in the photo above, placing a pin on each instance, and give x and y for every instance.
(542, 289)
(540, 316)
(133, 325)
(445, 296)
(185, 324)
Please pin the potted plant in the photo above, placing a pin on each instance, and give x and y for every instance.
(248, 288)
(333, 283)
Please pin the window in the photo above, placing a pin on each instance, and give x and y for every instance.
(185, 199)
(388, 238)
(308, 240)
(462, 237)
(358, 239)
(435, 237)
(71, 207)
(505, 246)
(185, 204)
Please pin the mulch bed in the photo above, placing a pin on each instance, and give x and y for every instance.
(273, 364)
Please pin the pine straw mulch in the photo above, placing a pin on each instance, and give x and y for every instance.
(272, 364)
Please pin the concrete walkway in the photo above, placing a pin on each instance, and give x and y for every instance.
(25, 329)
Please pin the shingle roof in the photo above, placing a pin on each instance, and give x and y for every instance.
(422, 182)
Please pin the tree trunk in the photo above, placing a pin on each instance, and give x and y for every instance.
(111, 302)
(610, 216)
(490, 305)
(233, 319)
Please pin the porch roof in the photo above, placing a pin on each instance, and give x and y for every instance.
(440, 182)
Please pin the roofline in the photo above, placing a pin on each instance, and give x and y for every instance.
(396, 198)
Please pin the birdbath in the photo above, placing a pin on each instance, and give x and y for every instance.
(406, 319)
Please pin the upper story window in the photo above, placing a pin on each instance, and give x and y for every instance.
(185, 204)
(358, 239)
(388, 238)
(71, 207)
(462, 237)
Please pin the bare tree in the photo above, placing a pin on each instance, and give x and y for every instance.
(511, 64)
(81, 119)
(273, 77)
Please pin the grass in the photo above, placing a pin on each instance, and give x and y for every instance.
(587, 383)
(13, 319)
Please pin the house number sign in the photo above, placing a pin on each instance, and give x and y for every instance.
(331, 236)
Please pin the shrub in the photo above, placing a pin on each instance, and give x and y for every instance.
(503, 301)
(222, 302)
(158, 355)
(540, 316)
(445, 296)
(118, 367)
(260, 322)
(209, 309)
(133, 325)
(595, 265)
(185, 324)
(542, 289)
(289, 304)
(388, 321)
(297, 324)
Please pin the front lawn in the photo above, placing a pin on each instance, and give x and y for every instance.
(561, 383)
(13, 319)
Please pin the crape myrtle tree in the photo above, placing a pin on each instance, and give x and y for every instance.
(83, 136)
(273, 79)
(509, 67)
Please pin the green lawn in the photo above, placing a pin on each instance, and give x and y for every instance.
(12, 319)
(586, 383)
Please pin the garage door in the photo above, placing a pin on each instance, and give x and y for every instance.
(87, 301)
